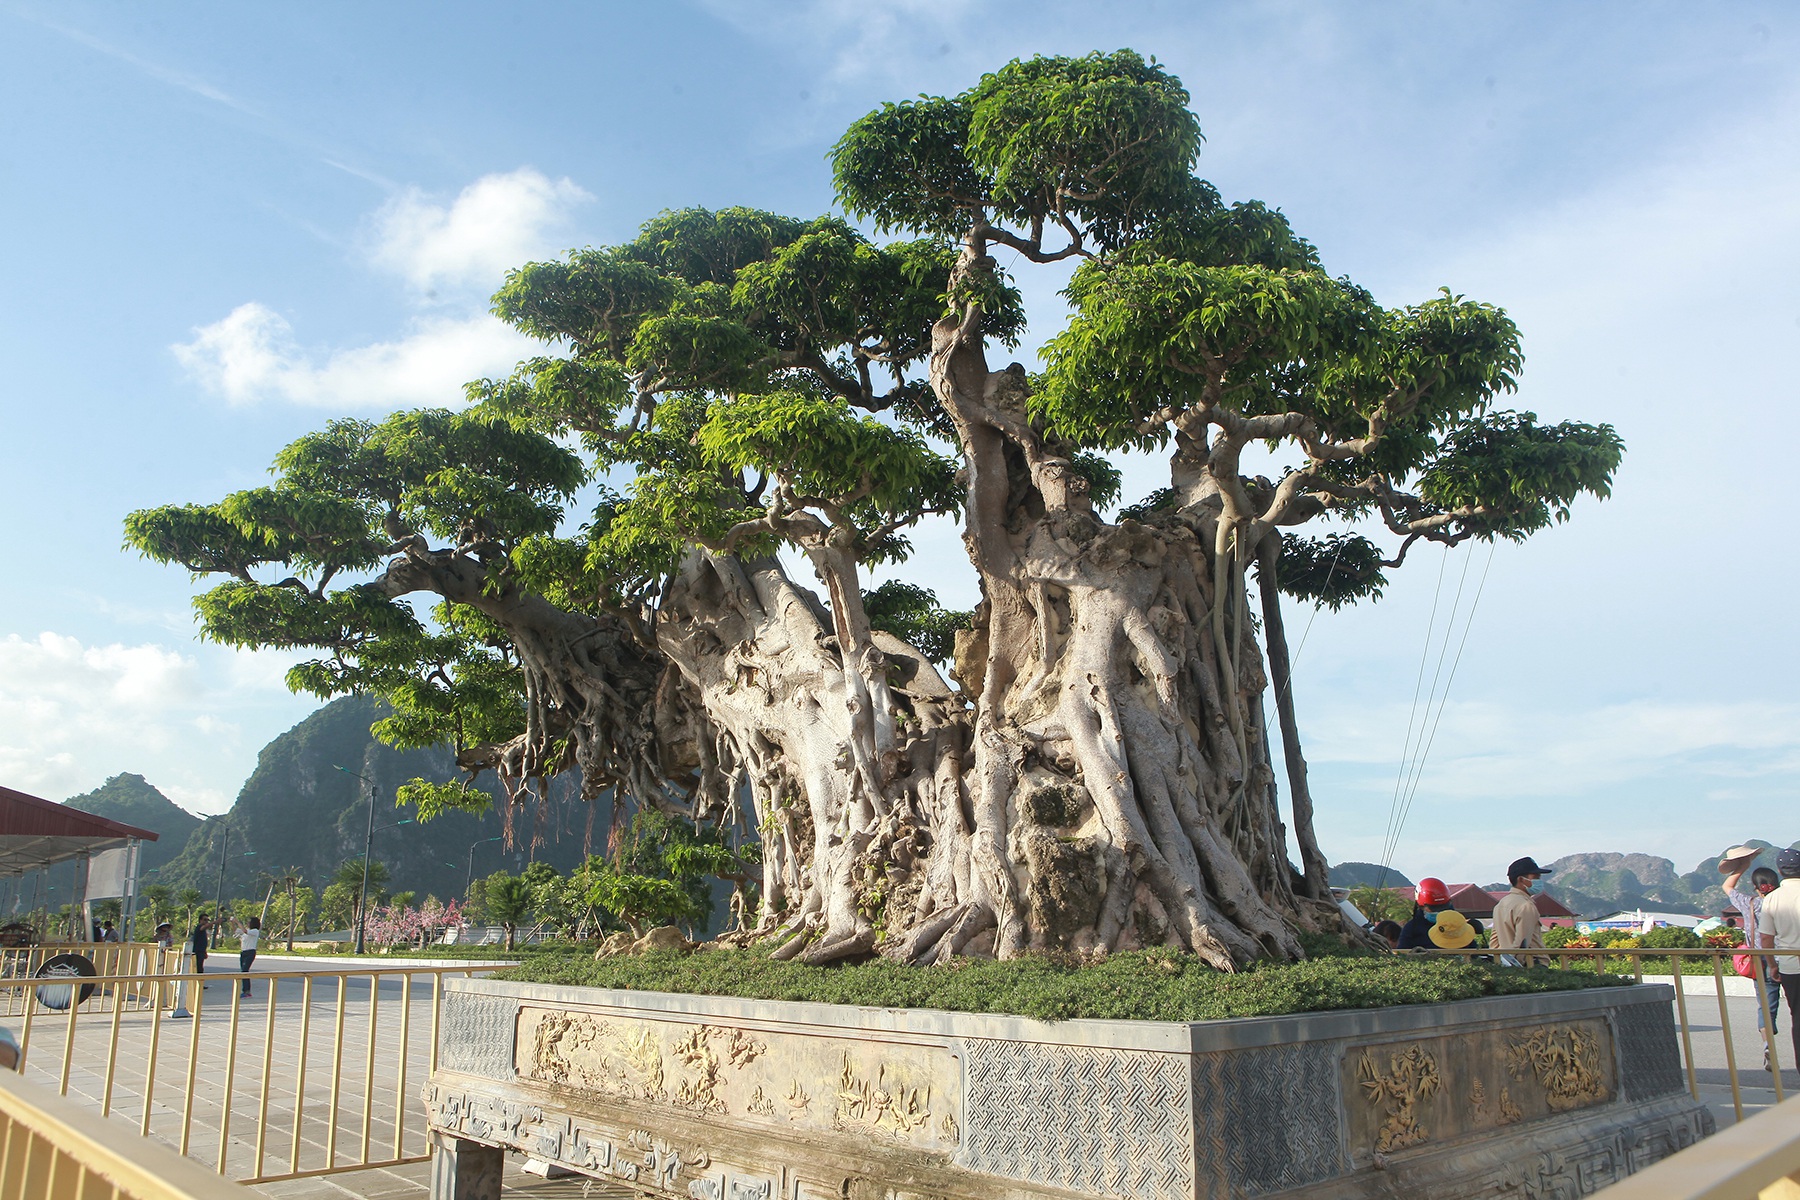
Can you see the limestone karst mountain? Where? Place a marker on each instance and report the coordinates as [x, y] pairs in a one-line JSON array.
[[298, 810], [133, 800]]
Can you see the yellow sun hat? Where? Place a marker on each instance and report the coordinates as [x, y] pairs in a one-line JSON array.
[[1452, 930]]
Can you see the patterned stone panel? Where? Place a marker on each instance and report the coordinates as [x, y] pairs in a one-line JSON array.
[[475, 1034], [1287, 1095], [1649, 1057], [1104, 1122]]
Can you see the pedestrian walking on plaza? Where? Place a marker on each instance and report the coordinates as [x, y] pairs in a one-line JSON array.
[[1517, 925], [1748, 902], [1780, 930], [197, 944], [248, 937]]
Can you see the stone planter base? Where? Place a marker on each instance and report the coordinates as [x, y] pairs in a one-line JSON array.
[[725, 1099]]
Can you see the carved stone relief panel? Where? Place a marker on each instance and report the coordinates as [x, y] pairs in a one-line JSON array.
[[1431, 1091], [905, 1093]]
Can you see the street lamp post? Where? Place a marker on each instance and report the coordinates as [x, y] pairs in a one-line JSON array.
[[362, 899], [471, 880], [224, 848]]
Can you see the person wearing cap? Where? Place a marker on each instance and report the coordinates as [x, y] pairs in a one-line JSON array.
[[1517, 925], [1431, 899], [1780, 930], [1748, 903]]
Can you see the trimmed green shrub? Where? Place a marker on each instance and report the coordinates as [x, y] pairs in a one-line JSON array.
[[1671, 937], [1152, 985]]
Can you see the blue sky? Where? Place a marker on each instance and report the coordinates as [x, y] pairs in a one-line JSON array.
[[225, 224]]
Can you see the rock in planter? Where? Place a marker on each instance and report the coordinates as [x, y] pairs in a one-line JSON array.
[[663, 937], [615, 943], [726, 1099]]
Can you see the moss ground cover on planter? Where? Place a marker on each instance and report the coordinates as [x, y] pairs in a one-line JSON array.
[[1154, 985]]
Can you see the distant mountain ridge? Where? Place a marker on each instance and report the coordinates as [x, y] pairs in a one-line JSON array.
[[1597, 884], [299, 811], [131, 799], [1362, 874]]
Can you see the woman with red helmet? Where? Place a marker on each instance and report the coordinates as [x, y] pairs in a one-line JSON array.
[[1430, 898]]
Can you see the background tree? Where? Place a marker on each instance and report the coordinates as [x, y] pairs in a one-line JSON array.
[[338, 904], [298, 907], [1100, 775], [187, 905], [159, 903], [1380, 904], [509, 901], [546, 885]]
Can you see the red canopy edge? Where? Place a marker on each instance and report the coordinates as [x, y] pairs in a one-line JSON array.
[[22, 815]]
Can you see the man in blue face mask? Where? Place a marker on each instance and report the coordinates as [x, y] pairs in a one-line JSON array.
[[1517, 925]]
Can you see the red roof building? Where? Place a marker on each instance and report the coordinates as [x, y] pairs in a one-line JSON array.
[[1478, 904]]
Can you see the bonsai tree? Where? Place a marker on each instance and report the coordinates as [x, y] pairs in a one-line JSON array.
[[640, 899], [1094, 772]]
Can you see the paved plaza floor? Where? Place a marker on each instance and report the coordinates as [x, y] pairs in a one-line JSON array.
[[383, 1041]]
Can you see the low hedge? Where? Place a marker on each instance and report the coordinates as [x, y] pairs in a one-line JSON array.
[[1154, 985]]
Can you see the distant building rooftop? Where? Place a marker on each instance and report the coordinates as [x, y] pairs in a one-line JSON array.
[[1478, 902], [1635, 919]]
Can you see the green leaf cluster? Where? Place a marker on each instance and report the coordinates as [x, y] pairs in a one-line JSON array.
[[911, 613]]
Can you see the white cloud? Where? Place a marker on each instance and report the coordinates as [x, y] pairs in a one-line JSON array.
[[251, 355], [74, 714], [496, 223]]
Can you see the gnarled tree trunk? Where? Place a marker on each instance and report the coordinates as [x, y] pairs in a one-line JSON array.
[[1103, 780]]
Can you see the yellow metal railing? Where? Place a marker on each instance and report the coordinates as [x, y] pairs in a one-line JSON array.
[[1757, 1159], [50, 1149], [312, 1071], [1652, 965], [135, 963]]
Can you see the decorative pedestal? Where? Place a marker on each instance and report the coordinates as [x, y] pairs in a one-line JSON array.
[[717, 1098]]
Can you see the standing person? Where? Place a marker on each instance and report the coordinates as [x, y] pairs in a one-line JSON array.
[[248, 937], [1749, 907], [197, 945], [1517, 925], [1430, 898], [107, 932], [1780, 930]]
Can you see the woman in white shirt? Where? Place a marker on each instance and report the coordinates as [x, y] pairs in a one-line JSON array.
[[248, 937]]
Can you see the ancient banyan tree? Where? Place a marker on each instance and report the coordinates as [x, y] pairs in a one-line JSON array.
[[1080, 763]]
